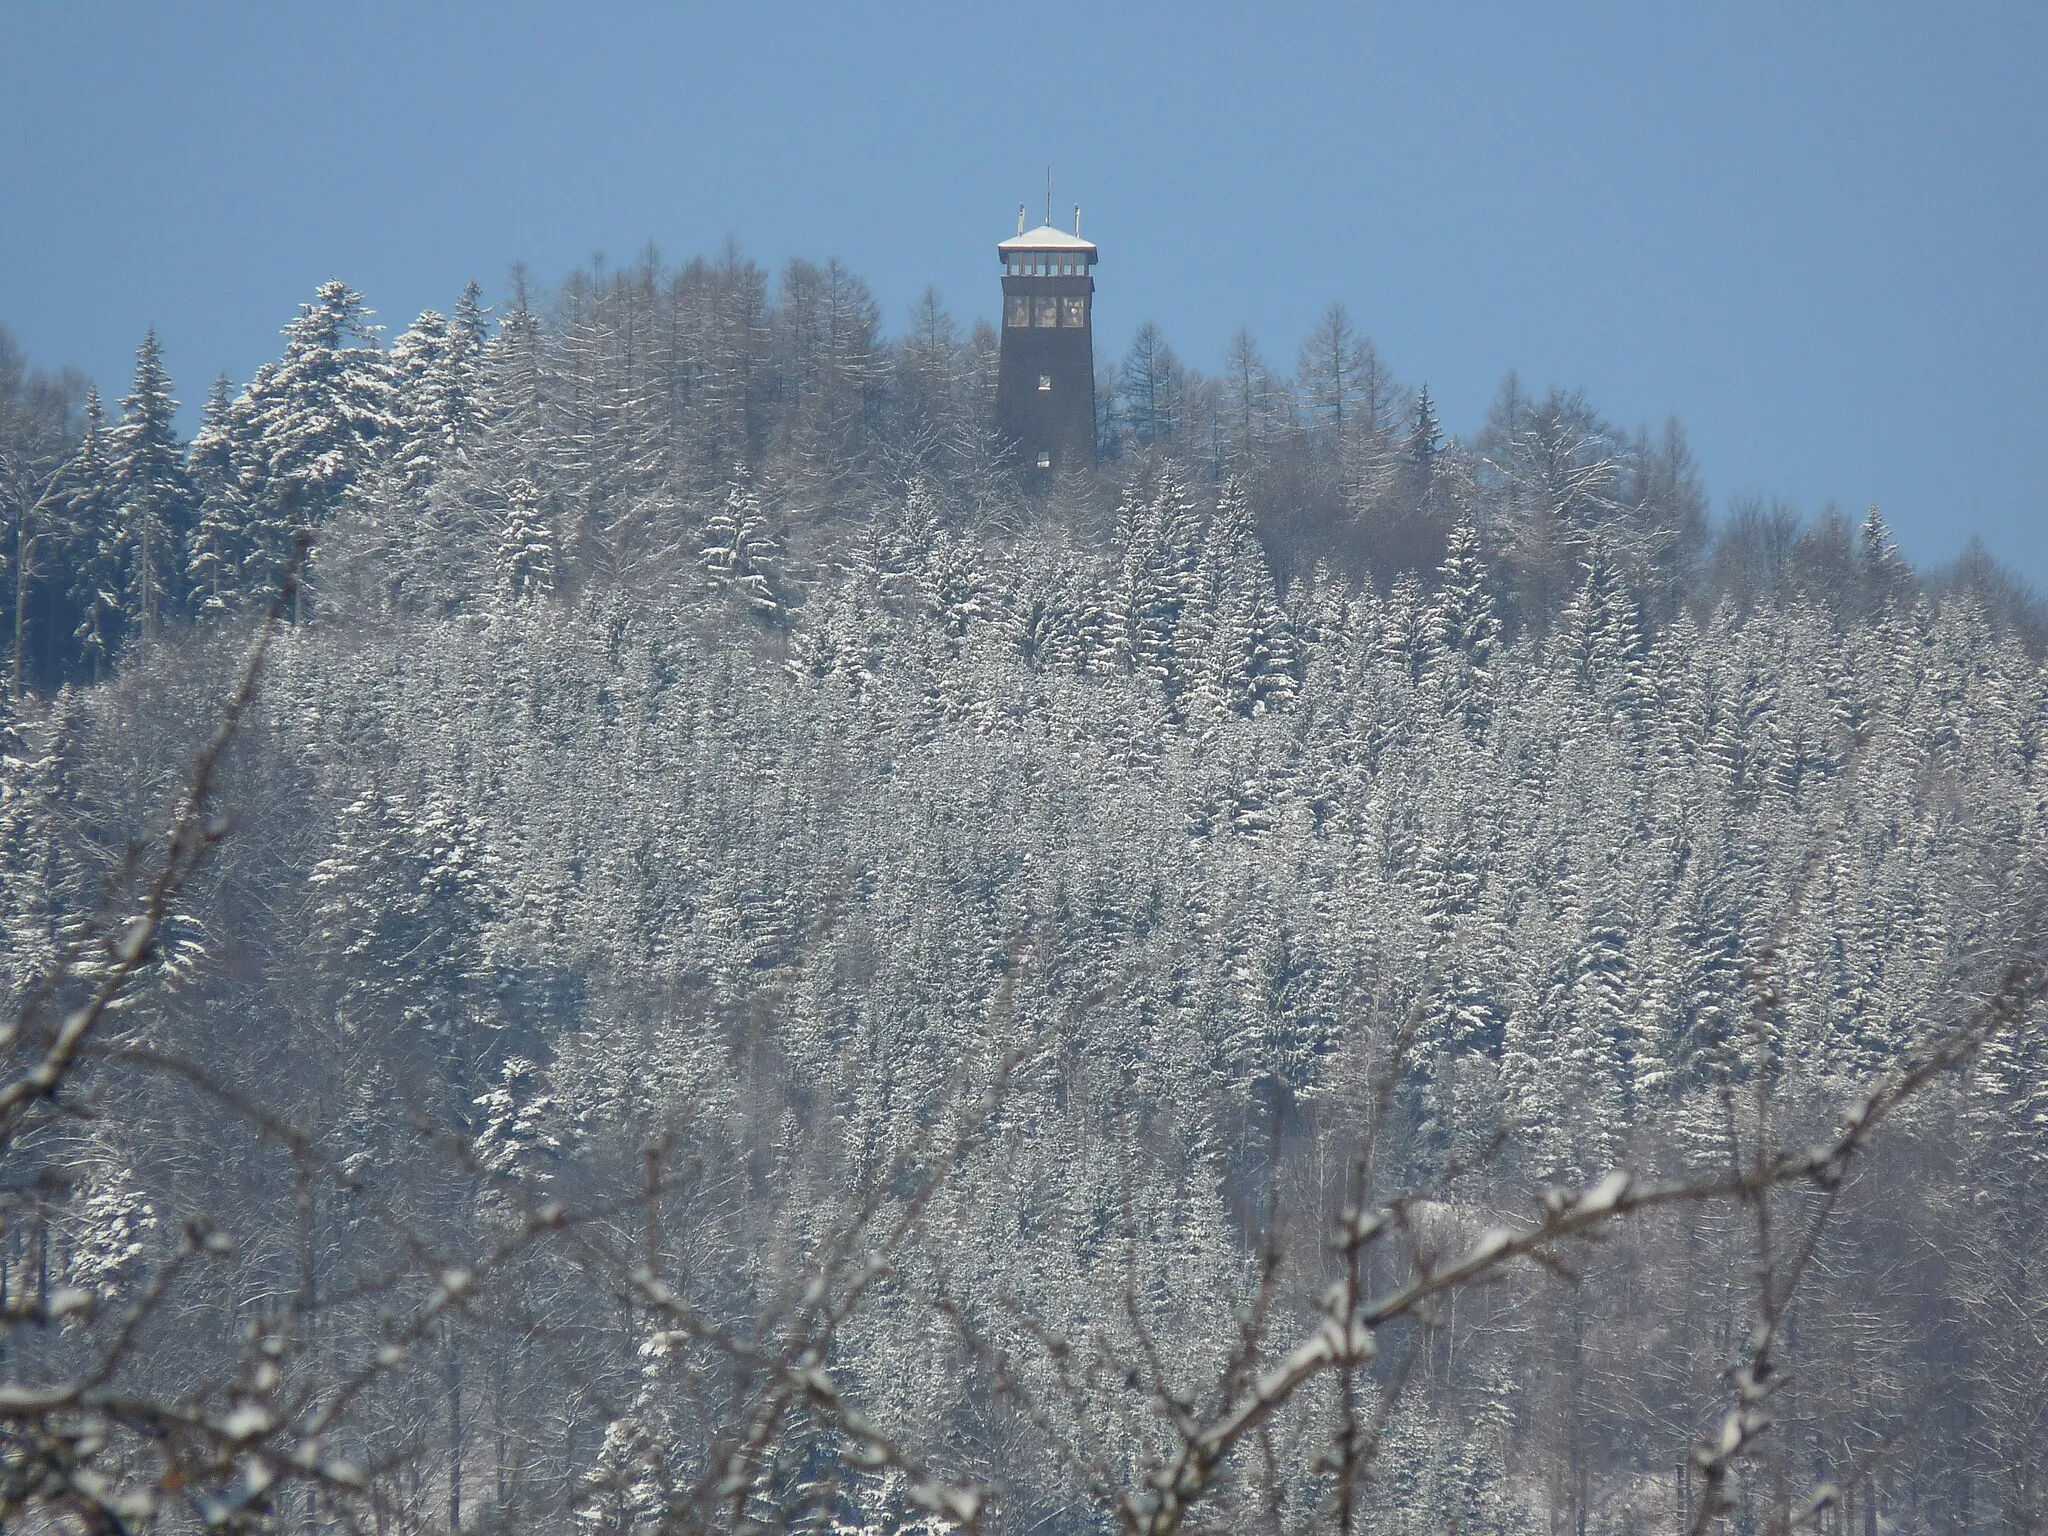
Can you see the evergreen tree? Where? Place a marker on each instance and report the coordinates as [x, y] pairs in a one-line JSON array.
[[526, 543], [1600, 634], [1254, 647], [1159, 578], [469, 333], [741, 554], [98, 571], [319, 419], [1425, 434], [213, 568], [153, 502], [1881, 572], [1468, 629], [428, 402], [1410, 639]]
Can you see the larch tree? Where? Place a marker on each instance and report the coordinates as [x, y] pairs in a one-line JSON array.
[[1152, 385]]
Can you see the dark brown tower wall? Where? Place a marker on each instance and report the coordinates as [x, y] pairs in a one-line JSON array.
[[1060, 420]]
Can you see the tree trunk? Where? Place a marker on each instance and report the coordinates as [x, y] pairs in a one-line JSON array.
[[454, 1440]]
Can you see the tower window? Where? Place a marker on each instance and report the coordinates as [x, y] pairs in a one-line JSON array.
[[1045, 458], [1045, 383], [1017, 311], [1073, 313], [1045, 312]]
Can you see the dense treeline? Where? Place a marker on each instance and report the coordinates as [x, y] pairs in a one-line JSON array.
[[589, 437], [693, 761]]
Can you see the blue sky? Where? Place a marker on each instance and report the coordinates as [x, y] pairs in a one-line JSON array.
[[1815, 232]]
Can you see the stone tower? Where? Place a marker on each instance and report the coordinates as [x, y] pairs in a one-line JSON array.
[[1045, 381]]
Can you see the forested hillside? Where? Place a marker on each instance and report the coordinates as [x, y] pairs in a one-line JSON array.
[[740, 971]]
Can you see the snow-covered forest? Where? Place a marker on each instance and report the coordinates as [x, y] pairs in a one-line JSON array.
[[736, 970]]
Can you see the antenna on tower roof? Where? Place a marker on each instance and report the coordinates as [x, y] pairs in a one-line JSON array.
[[1077, 221], [1020, 218], [1048, 194]]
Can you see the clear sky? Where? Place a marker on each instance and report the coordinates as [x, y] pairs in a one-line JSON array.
[[1815, 232]]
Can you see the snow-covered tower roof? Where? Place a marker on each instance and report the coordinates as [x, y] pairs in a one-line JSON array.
[[1048, 237]]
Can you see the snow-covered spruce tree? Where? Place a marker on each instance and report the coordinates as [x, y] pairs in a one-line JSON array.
[[437, 381], [526, 543], [153, 501], [741, 555], [217, 549], [1467, 622], [315, 423], [428, 401], [1162, 552], [98, 571]]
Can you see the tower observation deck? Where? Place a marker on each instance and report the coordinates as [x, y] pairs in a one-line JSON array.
[[1045, 377]]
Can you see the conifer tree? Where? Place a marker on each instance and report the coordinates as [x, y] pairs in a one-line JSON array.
[[515, 388], [153, 503], [320, 418], [1600, 633], [1425, 434], [1466, 614], [1254, 650], [1152, 384], [1410, 639], [97, 569], [1160, 579], [1881, 571], [526, 543], [427, 400], [1468, 629], [469, 333], [741, 554], [213, 566]]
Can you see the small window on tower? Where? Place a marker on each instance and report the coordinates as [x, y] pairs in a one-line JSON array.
[[1045, 458], [1045, 312], [1073, 313], [1045, 383], [1017, 311]]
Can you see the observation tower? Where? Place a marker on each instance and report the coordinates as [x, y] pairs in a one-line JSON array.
[[1045, 379]]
